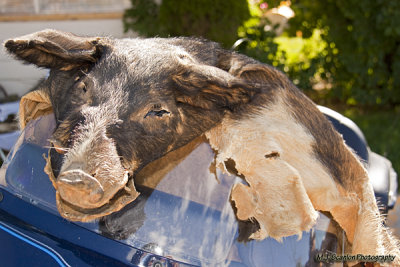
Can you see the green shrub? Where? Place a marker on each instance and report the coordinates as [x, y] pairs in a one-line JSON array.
[[382, 131], [300, 58], [363, 52], [217, 20], [142, 18], [260, 44]]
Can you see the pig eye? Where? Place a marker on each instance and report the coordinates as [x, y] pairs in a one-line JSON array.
[[82, 86], [158, 113]]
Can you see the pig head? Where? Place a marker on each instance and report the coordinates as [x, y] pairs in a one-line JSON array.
[[122, 103]]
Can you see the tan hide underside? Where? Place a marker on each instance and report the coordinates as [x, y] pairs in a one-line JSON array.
[[33, 105], [286, 184]]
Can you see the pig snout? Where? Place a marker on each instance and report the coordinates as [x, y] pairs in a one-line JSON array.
[[86, 191], [92, 172], [80, 188]]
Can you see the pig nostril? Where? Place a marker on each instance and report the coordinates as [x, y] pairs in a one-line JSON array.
[[79, 188], [78, 183]]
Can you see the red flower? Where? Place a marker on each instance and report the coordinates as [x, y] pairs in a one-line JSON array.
[[264, 5]]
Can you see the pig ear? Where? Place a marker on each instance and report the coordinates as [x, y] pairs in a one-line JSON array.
[[233, 82], [33, 105], [210, 87], [55, 49], [250, 70]]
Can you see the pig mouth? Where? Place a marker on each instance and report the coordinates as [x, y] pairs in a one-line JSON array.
[[74, 213], [88, 202]]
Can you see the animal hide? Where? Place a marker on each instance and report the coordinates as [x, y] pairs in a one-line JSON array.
[[287, 184], [32, 106], [120, 107]]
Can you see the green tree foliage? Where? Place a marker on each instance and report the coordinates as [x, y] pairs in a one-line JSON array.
[[362, 56], [260, 44], [142, 18], [300, 58], [217, 20]]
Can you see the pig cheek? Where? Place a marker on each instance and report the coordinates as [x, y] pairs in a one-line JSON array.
[[128, 157]]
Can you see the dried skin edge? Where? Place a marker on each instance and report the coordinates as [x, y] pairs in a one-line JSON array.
[[275, 183]]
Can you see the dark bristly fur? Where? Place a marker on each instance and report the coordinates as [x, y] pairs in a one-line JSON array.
[[191, 84]]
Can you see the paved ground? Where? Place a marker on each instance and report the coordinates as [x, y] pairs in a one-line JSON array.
[[394, 219]]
